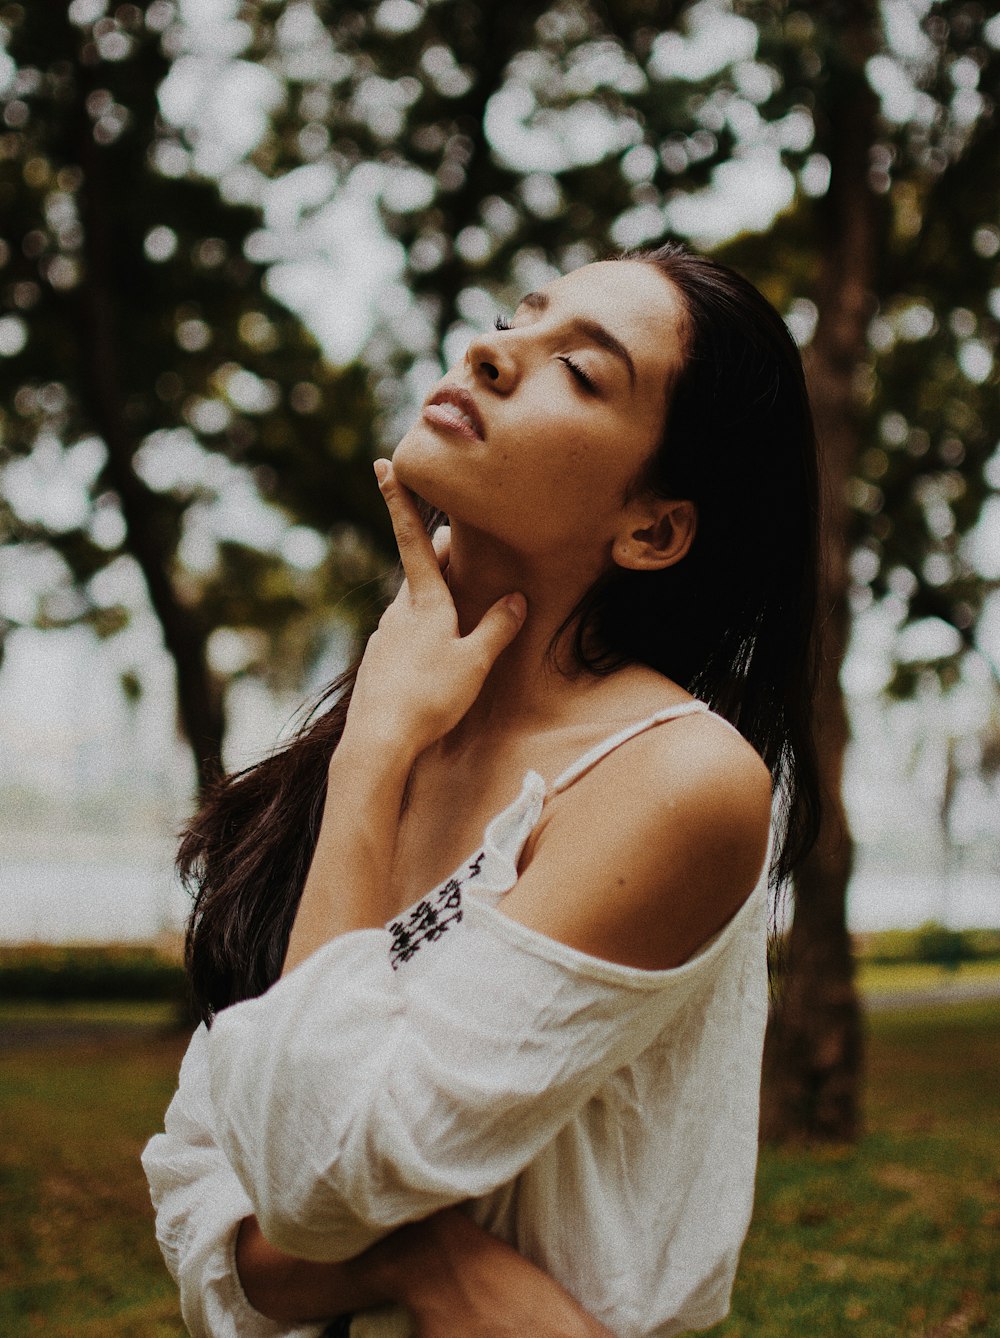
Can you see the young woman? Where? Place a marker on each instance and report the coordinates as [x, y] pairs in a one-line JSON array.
[[515, 880]]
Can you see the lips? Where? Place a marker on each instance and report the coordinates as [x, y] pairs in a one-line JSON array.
[[454, 409]]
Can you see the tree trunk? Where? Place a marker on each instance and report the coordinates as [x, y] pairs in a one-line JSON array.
[[147, 521], [813, 1056]]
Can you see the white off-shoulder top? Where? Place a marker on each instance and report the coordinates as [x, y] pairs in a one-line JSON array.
[[600, 1118]]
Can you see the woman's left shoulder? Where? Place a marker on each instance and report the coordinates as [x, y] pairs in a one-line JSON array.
[[695, 780], [655, 848], [693, 760], [702, 755]]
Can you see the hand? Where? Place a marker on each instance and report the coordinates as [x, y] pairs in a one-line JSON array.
[[419, 675], [458, 1279]]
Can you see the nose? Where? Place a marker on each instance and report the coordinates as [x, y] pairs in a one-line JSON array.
[[492, 363]]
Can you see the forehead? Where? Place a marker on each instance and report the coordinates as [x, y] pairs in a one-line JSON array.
[[635, 302]]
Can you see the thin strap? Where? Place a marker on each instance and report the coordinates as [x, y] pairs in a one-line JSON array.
[[594, 755]]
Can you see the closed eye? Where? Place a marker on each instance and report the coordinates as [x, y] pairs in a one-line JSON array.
[[581, 376], [576, 371]]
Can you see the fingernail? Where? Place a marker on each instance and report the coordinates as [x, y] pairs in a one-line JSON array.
[[518, 606], [381, 470]]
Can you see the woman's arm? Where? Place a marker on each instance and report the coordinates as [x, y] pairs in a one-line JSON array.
[[417, 679], [352, 1099], [297, 1291], [451, 1276], [234, 1284], [199, 1205]]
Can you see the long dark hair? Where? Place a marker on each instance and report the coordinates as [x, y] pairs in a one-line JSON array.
[[732, 623]]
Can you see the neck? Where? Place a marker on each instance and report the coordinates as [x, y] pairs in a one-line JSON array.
[[527, 684]]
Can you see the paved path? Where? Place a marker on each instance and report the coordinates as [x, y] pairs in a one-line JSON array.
[[48, 1034]]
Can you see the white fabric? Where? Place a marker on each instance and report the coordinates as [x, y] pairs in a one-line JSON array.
[[199, 1204], [600, 1118]]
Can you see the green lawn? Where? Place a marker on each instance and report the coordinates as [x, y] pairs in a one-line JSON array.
[[901, 1234], [886, 977], [90, 1011], [898, 1236], [77, 1254]]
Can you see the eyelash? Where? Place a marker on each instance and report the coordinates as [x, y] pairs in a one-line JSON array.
[[501, 323], [577, 371]]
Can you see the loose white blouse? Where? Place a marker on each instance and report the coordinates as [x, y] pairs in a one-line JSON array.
[[600, 1118]]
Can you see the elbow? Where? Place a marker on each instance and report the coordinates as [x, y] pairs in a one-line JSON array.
[[371, 1177], [317, 1229], [310, 1181]]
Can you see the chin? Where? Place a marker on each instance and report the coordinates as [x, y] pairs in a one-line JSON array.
[[425, 468]]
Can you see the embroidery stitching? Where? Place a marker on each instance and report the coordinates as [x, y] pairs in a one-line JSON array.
[[430, 918]]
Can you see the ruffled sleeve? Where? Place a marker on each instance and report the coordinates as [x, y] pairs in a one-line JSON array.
[[352, 1098], [199, 1204]]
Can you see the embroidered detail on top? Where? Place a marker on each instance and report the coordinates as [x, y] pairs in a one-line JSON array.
[[430, 918]]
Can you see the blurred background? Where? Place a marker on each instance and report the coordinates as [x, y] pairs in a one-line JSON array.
[[238, 242]]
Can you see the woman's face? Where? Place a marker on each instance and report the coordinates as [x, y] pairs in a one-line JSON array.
[[537, 435]]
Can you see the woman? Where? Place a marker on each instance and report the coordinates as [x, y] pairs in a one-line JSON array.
[[563, 1036]]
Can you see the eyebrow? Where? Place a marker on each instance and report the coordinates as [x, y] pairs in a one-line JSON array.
[[590, 329]]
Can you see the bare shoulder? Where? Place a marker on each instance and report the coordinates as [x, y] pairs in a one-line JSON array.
[[693, 786], [701, 767], [653, 850]]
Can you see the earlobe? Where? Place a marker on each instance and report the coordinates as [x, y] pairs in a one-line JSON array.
[[659, 538]]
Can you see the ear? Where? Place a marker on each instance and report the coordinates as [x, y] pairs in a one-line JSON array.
[[657, 532]]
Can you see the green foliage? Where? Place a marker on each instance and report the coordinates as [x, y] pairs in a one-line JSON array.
[[499, 144], [472, 116], [116, 972], [938, 943], [931, 942], [927, 404], [149, 373]]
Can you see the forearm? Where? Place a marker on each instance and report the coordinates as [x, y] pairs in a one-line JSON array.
[[403, 1268], [417, 679], [450, 1274], [299, 1291], [347, 884]]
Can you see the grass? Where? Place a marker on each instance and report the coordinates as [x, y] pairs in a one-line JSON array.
[[886, 977], [897, 1236], [77, 1255], [92, 1012]]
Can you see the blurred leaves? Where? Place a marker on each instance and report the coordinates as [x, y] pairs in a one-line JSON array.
[[160, 402], [155, 398]]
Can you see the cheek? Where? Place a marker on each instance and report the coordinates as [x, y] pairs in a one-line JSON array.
[[593, 468]]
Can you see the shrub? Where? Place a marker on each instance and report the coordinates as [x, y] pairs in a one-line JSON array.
[[117, 971]]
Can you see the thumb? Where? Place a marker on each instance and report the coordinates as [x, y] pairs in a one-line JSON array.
[[498, 627]]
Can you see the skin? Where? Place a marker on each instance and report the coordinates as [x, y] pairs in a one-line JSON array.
[[643, 859]]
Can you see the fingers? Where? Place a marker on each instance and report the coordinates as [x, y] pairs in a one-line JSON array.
[[497, 628], [416, 552], [441, 540]]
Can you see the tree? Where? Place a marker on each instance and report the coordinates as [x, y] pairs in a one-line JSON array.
[[503, 144], [146, 364], [814, 1050], [900, 364]]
